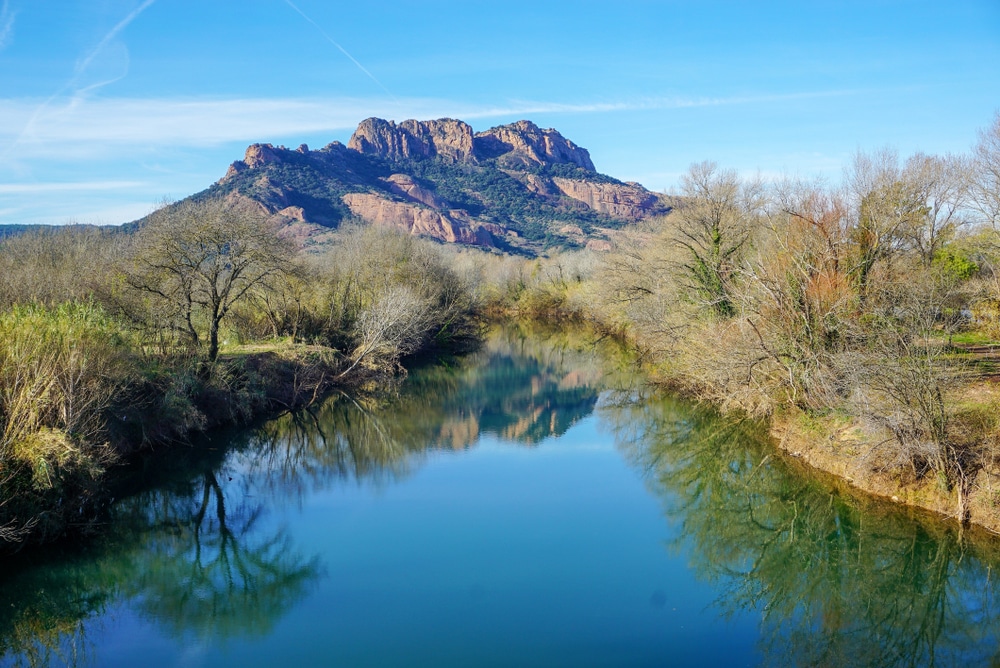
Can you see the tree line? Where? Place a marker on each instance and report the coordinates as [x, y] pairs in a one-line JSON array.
[[867, 310], [115, 340]]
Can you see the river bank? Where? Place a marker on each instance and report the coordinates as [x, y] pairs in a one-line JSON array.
[[829, 441], [534, 499]]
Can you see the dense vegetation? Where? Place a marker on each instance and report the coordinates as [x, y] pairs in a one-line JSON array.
[[315, 181], [113, 341], [494, 195], [862, 319]]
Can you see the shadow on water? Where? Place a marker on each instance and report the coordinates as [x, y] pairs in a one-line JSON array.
[[836, 579], [188, 546]]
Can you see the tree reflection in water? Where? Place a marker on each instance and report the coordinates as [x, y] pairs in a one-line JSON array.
[[184, 557], [837, 579], [834, 578], [187, 546], [209, 570]]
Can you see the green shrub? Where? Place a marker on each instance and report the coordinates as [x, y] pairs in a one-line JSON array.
[[62, 369]]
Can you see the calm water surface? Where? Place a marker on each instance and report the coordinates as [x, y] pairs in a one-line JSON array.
[[530, 505]]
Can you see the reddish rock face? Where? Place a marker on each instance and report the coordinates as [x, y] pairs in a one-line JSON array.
[[404, 185], [260, 154], [621, 200], [520, 144], [444, 137], [415, 219], [524, 144]]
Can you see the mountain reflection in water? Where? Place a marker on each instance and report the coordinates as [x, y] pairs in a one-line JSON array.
[[825, 577]]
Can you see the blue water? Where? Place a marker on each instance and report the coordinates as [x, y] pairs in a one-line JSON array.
[[532, 505]]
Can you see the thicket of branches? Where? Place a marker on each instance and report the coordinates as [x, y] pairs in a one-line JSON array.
[[804, 297], [114, 339]]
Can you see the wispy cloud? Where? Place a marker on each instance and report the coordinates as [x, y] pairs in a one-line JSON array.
[[650, 104], [88, 58], [104, 125], [73, 86], [6, 23], [331, 40], [63, 187]]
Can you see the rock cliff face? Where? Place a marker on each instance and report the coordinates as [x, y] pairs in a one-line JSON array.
[[524, 144], [620, 200], [518, 145], [415, 219], [517, 187], [256, 155], [404, 185], [445, 137]]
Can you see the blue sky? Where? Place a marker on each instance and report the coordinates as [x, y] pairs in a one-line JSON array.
[[110, 106]]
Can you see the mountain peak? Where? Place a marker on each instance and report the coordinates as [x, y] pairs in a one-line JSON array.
[[517, 145], [445, 137], [524, 144], [517, 187]]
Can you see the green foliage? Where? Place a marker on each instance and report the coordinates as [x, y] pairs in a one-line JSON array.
[[62, 370], [493, 195], [570, 171], [60, 367], [956, 264]]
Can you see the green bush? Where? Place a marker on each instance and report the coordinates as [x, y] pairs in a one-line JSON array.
[[62, 369]]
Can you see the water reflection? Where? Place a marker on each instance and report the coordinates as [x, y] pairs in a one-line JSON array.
[[832, 578], [520, 387], [192, 559], [837, 580], [188, 546]]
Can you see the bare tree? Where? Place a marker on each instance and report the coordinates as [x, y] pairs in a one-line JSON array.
[[901, 378], [985, 185], [393, 326], [941, 185], [197, 259], [712, 230]]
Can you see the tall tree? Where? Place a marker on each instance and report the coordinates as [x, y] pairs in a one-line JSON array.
[[712, 229], [985, 185], [940, 183], [886, 207], [199, 258]]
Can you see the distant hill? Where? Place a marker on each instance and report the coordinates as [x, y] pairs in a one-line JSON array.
[[514, 187], [14, 229]]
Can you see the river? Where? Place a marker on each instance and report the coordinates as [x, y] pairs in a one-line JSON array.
[[531, 504]]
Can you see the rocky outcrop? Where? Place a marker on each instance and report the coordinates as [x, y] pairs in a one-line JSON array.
[[445, 137], [404, 185], [505, 175], [257, 155], [540, 185], [518, 145], [453, 227], [524, 144], [620, 200], [600, 245]]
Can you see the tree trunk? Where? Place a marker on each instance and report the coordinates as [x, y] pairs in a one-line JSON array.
[[213, 340]]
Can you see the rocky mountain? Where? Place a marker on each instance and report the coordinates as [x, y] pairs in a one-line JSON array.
[[515, 187]]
